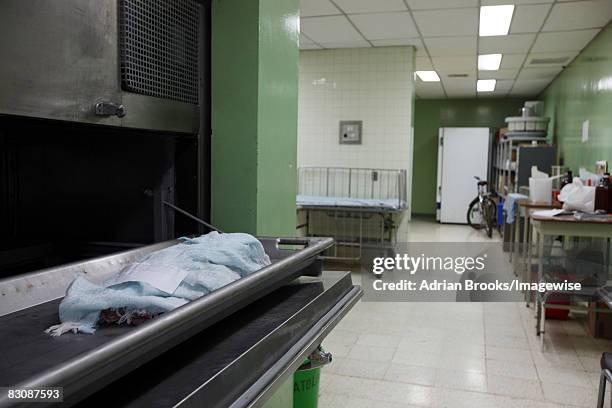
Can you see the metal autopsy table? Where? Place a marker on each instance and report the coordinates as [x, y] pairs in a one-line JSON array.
[[197, 355]]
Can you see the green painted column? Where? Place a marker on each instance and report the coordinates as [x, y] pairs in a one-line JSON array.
[[254, 115]]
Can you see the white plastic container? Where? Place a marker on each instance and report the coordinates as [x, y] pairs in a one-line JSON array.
[[540, 190]]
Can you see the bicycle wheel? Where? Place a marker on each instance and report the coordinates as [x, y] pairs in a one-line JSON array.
[[490, 213], [474, 216]]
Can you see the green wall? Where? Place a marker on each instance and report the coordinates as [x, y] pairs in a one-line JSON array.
[[431, 114], [583, 92], [254, 115]]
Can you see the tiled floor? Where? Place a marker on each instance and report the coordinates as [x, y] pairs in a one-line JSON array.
[[469, 355]]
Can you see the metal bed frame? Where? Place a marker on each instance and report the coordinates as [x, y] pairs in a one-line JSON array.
[[365, 214]]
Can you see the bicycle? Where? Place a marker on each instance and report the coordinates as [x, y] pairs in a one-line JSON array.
[[482, 211]]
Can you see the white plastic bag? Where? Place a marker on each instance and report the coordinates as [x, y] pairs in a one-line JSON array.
[[578, 197]]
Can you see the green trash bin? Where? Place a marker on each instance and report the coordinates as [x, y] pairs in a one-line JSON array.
[[306, 380]]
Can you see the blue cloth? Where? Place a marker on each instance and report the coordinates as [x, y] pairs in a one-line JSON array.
[[510, 205], [198, 265]]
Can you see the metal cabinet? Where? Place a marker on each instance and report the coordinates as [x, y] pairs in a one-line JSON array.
[[59, 59]]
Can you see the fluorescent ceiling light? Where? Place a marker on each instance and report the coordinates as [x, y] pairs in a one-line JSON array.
[[495, 20], [486, 85], [428, 76], [489, 62]]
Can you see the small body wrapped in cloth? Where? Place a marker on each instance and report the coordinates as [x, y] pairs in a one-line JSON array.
[[160, 282]]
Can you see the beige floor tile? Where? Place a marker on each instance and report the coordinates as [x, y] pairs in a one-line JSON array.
[[461, 380], [514, 387], [500, 340], [416, 358], [362, 369], [403, 393], [567, 394], [371, 353], [564, 376], [448, 398], [514, 370], [551, 359], [411, 374], [342, 336], [378, 340], [591, 364], [509, 354]]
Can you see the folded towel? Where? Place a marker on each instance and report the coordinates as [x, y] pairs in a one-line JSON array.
[[161, 281]]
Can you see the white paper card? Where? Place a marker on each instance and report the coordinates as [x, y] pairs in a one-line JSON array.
[[548, 213], [163, 277]]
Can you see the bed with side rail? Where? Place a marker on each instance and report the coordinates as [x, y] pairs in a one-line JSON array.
[[359, 207]]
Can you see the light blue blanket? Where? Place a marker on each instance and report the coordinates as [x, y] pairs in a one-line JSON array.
[[162, 280], [510, 205]]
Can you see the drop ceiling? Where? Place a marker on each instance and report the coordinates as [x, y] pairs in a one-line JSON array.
[[545, 35]]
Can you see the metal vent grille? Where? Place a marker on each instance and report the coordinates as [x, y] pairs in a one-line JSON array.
[[560, 60], [159, 48]]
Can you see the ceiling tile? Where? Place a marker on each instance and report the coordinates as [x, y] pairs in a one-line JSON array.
[[399, 42], [423, 64], [539, 73], [547, 59], [458, 64], [440, 4], [507, 44], [563, 41], [304, 39], [512, 61], [577, 15], [346, 44], [336, 29], [503, 85], [500, 74], [529, 18], [460, 88], [449, 22], [382, 26], [530, 87], [501, 2], [451, 46], [429, 89], [369, 6], [309, 46], [309, 8]]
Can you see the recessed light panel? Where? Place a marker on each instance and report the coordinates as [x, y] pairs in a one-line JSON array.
[[485, 85], [489, 62], [428, 76], [495, 20]]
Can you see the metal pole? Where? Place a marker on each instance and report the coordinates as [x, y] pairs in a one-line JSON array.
[[193, 217]]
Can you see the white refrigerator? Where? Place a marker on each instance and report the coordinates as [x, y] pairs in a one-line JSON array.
[[462, 154]]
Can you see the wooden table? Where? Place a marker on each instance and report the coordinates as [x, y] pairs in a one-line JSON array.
[[570, 226]]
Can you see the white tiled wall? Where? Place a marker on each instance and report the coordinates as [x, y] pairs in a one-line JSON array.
[[374, 85]]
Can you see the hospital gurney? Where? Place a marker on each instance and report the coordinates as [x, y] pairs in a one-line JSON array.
[[357, 207], [206, 345]]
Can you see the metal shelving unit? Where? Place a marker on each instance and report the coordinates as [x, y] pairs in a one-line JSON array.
[[507, 168]]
